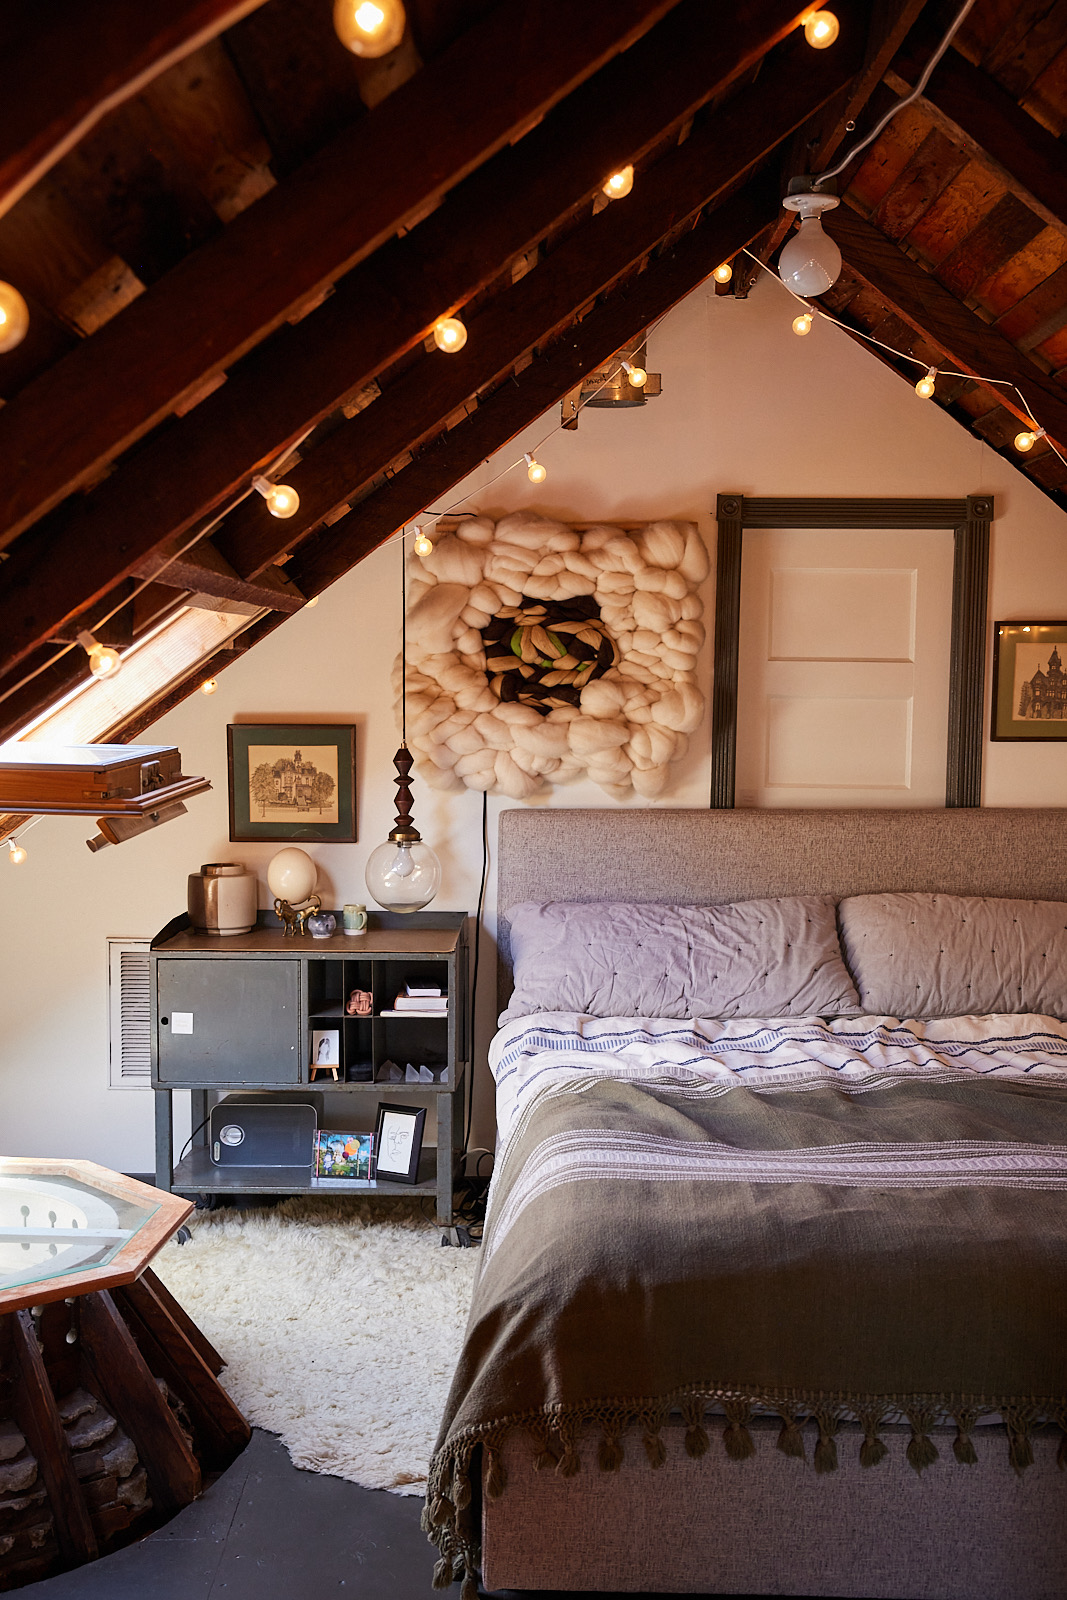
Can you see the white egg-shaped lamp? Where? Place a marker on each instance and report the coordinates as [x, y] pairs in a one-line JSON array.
[[810, 262], [292, 875]]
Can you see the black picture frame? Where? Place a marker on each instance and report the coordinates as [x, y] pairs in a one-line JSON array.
[[416, 1116], [296, 743], [1040, 641]]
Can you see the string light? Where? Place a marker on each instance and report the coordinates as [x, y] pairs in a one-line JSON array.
[[618, 184], [16, 852], [925, 386], [423, 544], [723, 272], [282, 499], [821, 29], [802, 324], [104, 662], [534, 470], [1028, 438], [449, 334], [14, 317], [209, 686], [369, 27], [312, 602], [637, 375]]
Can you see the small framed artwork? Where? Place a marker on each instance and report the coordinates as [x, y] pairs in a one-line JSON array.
[[344, 1155], [325, 1052], [1029, 680], [292, 782], [398, 1142]]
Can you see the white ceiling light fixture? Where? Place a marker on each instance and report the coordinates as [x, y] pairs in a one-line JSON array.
[[810, 262]]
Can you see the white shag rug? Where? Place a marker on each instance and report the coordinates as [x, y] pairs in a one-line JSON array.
[[340, 1321]]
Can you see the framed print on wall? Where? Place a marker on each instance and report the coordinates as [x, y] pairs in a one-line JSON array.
[[292, 782], [1029, 680]]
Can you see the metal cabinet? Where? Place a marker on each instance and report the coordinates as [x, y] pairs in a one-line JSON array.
[[227, 1022]]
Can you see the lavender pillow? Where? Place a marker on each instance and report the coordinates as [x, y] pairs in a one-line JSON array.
[[754, 958]]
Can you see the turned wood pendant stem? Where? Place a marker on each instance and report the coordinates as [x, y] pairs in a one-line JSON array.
[[404, 827]]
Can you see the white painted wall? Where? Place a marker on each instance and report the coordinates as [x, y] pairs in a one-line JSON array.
[[746, 406]]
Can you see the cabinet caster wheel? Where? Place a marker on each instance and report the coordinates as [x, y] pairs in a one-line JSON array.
[[207, 1202], [457, 1236], [183, 1235]]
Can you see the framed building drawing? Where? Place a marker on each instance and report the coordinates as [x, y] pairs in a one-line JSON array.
[[292, 782], [1029, 680]]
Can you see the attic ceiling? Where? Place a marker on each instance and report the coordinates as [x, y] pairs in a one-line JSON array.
[[234, 238]]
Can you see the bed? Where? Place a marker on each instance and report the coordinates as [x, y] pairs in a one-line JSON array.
[[772, 1301]]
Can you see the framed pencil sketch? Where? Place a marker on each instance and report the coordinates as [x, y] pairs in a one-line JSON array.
[[398, 1142], [1029, 680], [292, 782]]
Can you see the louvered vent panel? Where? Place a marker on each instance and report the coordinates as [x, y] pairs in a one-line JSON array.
[[129, 975]]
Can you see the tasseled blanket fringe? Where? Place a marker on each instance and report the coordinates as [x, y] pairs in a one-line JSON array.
[[449, 1520]]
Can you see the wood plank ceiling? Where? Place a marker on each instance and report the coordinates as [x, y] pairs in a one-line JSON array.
[[234, 238]]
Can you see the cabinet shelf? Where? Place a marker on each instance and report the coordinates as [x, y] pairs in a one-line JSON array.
[[198, 1174]]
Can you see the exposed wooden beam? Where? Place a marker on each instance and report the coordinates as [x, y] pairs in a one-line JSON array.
[[204, 570], [928, 307], [728, 145], [977, 113], [60, 568], [628, 309], [381, 174], [68, 63]]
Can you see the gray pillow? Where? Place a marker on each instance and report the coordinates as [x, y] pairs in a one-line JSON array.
[[755, 958], [945, 955]]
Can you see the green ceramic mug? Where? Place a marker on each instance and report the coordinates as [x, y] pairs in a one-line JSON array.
[[355, 919]]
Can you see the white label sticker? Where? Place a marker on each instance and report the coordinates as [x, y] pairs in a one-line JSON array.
[[181, 1022]]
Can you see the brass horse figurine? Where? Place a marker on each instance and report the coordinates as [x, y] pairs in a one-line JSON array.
[[293, 921]]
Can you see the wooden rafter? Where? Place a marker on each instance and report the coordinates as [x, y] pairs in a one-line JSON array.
[[68, 63], [935, 313], [728, 145], [381, 174], [204, 570], [61, 568]]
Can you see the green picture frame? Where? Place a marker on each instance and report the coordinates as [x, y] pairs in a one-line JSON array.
[[292, 782], [1029, 681]]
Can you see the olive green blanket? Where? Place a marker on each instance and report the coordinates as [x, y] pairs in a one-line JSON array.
[[888, 1243]]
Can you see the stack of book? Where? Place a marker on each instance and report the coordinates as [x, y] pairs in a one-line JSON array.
[[419, 1000]]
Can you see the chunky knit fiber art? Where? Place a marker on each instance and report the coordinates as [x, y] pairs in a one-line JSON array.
[[539, 653]]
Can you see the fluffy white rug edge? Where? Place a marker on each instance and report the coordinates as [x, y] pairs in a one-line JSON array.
[[340, 1321]]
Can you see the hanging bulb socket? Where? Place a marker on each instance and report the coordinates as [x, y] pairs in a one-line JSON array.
[[637, 376], [104, 661], [449, 335], [810, 262], [618, 184], [925, 386], [14, 317], [534, 469], [821, 28], [282, 499], [16, 852], [802, 324], [423, 544], [723, 272], [369, 28], [1028, 438]]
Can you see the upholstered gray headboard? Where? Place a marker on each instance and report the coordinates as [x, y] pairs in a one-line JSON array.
[[706, 857]]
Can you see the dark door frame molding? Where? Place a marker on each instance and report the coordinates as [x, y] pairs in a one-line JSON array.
[[969, 519]]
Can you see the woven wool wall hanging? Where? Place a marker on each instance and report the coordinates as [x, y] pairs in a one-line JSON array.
[[540, 653]]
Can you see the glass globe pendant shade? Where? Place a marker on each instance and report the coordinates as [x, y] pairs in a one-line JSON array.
[[403, 874], [810, 263]]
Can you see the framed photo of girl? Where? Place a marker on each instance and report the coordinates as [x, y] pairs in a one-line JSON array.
[[292, 782], [1029, 680]]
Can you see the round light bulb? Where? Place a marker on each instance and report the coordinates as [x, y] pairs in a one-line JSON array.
[[282, 500], [821, 29], [925, 386], [810, 262], [449, 334], [618, 184], [209, 686], [369, 27], [423, 545], [637, 376], [104, 662], [536, 472], [802, 324], [723, 272], [1025, 441], [403, 875], [16, 852], [14, 317], [312, 602]]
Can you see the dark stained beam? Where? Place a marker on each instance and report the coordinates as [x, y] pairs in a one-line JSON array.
[[381, 174], [934, 313], [67, 63], [204, 570], [60, 568], [727, 146], [979, 114], [629, 308]]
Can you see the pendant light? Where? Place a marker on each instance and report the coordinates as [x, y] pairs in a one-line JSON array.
[[810, 262], [403, 874]]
